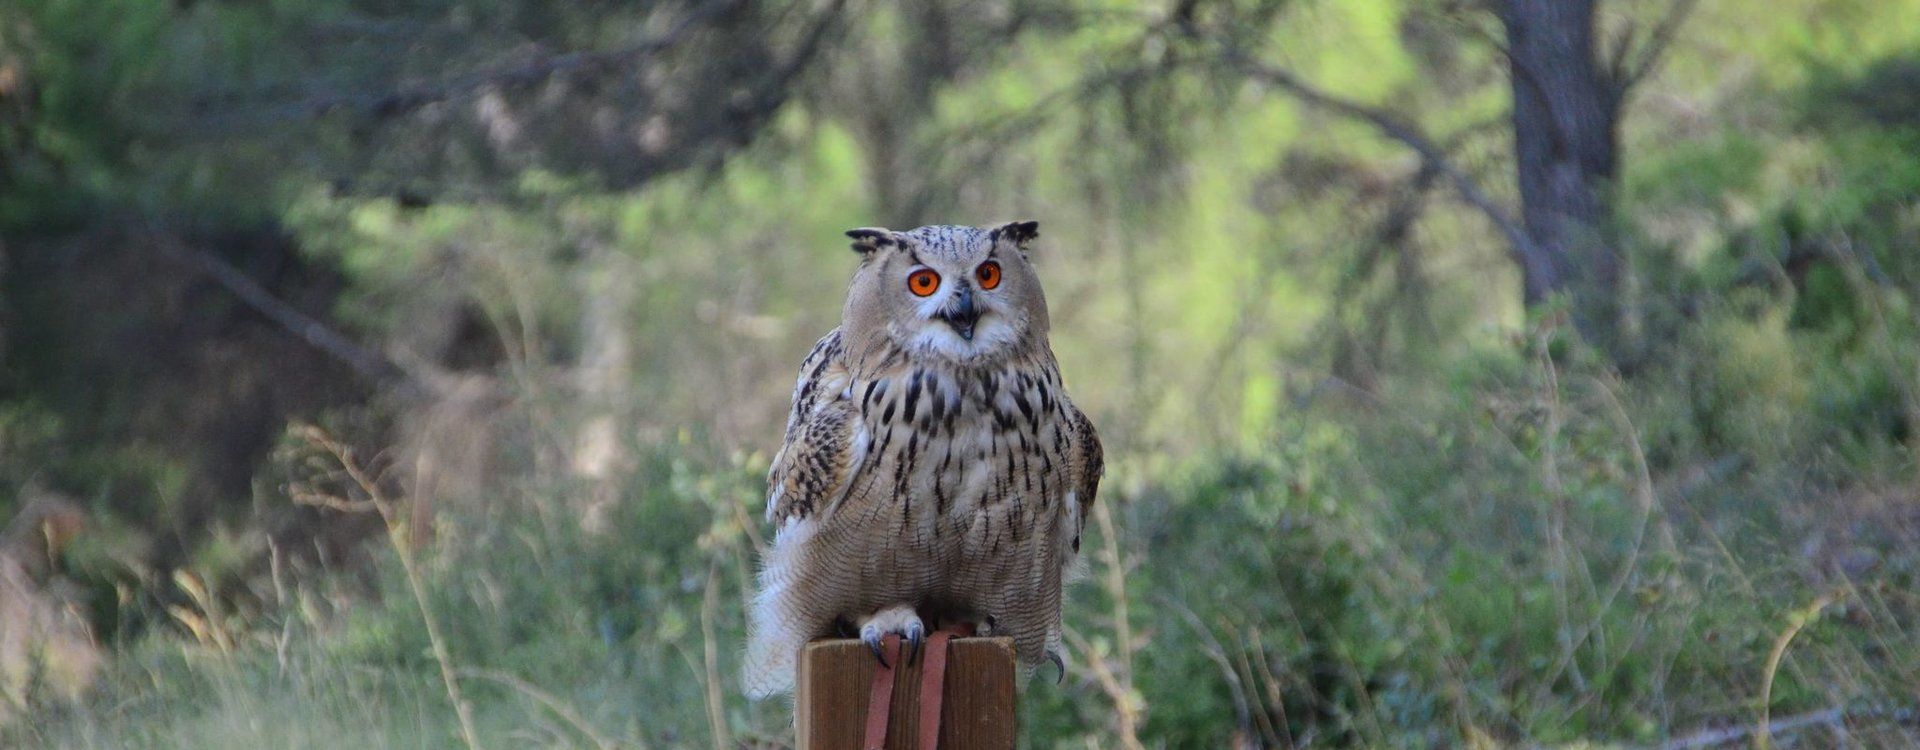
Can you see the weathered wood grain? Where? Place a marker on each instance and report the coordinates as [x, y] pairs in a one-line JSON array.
[[830, 697]]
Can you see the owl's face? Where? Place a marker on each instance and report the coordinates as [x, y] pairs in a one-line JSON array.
[[961, 294]]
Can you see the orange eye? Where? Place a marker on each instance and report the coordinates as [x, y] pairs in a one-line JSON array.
[[989, 273], [923, 282]]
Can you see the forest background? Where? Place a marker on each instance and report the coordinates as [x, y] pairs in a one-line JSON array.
[[1473, 373]]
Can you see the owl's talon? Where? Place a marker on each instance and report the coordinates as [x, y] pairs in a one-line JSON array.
[[898, 621], [1058, 664], [872, 639], [916, 635]]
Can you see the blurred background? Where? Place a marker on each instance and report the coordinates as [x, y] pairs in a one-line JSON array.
[[1473, 373]]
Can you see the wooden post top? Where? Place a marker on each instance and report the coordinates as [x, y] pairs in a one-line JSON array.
[[831, 693]]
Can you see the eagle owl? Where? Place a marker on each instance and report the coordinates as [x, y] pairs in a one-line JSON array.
[[933, 466]]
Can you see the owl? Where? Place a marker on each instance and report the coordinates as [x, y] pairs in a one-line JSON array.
[[934, 471]]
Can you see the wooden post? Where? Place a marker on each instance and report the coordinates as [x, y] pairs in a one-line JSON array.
[[830, 697]]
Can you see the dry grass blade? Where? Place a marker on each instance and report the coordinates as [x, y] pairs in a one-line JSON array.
[[552, 703], [1115, 678], [1763, 735], [710, 660], [1217, 653], [1126, 715], [403, 549]]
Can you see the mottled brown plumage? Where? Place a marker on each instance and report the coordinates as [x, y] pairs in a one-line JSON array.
[[933, 464]]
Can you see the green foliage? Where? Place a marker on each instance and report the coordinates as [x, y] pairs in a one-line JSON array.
[[1359, 497], [1474, 561]]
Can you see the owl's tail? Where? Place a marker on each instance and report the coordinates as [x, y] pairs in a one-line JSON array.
[[779, 623], [772, 648]]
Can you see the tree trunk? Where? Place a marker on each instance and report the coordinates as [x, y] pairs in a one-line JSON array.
[[1566, 134]]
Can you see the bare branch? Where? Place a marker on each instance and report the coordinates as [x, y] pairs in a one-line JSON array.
[[1786, 725], [368, 363], [409, 98], [810, 45], [1408, 135], [1657, 43], [1615, 62]]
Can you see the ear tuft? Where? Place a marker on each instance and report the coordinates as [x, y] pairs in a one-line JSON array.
[[1019, 232], [868, 239]]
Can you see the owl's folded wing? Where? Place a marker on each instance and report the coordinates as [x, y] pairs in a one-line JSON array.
[[813, 466], [813, 461], [1089, 464]]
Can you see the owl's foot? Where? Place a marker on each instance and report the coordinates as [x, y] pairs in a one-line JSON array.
[[898, 620]]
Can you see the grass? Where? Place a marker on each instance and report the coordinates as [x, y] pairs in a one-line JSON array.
[[1534, 554]]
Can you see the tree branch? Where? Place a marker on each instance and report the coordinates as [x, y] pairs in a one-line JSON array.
[[409, 98], [1616, 61], [1829, 717], [1430, 154], [810, 46], [1658, 41], [368, 363], [774, 91]]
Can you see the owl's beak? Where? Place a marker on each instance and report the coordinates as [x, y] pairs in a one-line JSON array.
[[960, 314]]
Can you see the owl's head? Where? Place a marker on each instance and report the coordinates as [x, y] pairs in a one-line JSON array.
[[961, 294]]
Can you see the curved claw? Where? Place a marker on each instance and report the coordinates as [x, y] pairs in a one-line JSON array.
[[872, 639], [916, 635], [1059, 665]]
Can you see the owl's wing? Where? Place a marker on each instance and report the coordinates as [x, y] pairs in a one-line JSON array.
[[1089, 463], [813, 461]]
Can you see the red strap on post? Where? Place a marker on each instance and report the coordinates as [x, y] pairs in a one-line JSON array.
[[933, 682], [933, 685], [880, 701]]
